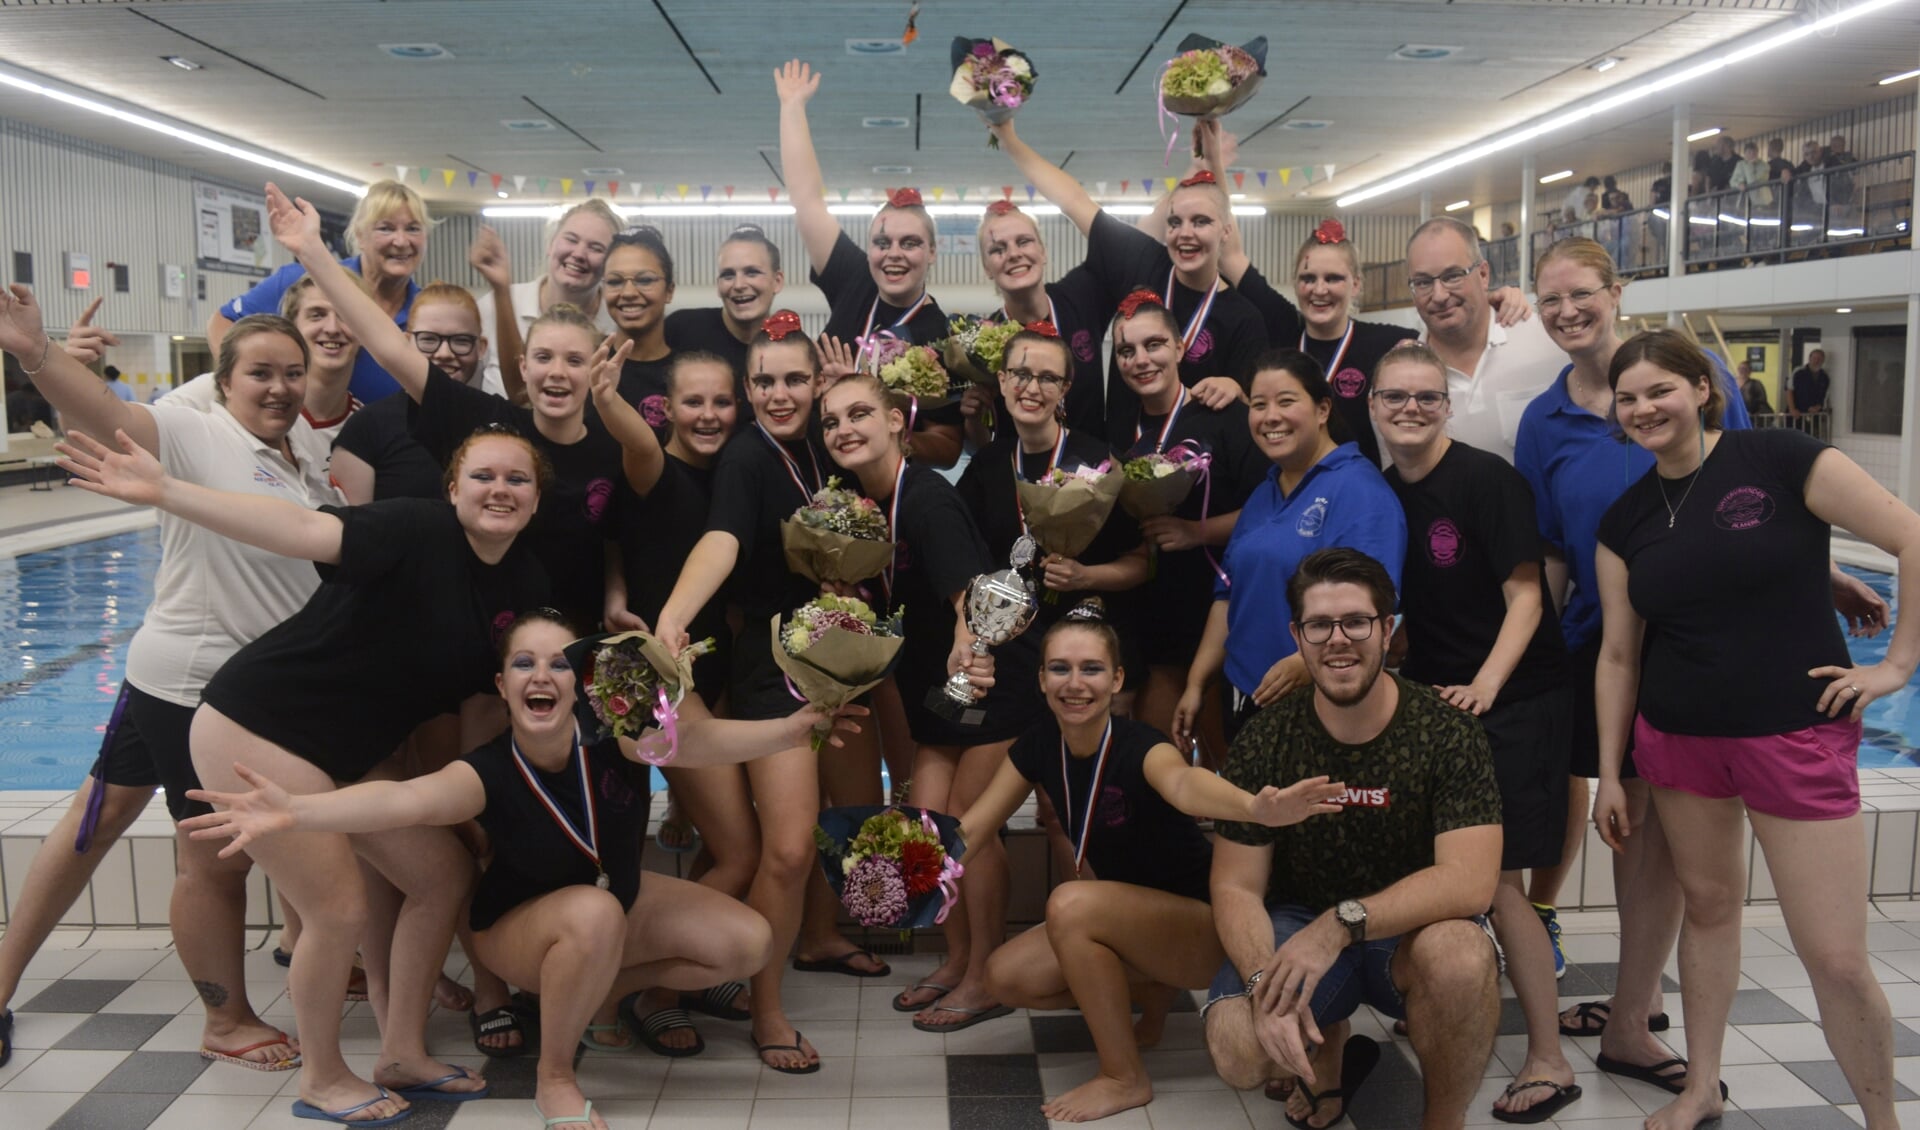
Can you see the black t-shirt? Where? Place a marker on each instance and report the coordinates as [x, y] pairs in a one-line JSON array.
[[1470, 523], [1809, 388], [570, 530], [754, 490], [937, 550], [1123, 258], [1662, 190], [532, 856], [643, 384], [853, 297], [705, 329], [379, 436], [403, 628], [1081, 312], [657, 531], [1136, 836], [1740, 577]]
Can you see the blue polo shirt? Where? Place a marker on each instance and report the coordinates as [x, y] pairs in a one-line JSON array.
[[1577, 465], [1343, 500], [370, 382]]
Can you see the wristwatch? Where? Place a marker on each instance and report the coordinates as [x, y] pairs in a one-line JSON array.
[[1352, 913]]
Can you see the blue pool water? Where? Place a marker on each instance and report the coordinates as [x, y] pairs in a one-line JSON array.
[[70, 613]]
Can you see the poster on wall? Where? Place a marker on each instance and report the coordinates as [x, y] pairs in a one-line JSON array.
[[231, 230]]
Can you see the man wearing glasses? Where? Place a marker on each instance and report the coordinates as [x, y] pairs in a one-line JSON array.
[[1377, 905], [1492, 370]]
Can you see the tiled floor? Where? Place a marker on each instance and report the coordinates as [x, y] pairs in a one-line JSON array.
[[107, 1033]]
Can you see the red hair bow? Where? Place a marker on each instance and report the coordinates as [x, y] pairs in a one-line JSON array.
[[1001, 208], [1043, 327], [904, 198], [1130, 305], [779, 325], [1204, 176], [1330, 231]]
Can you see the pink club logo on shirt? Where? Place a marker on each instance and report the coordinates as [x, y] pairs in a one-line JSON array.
[[653, 410], [599, 493], [1743, 508], [1202, 345], [1082, 346], [1114, 810], [1443, 543], [501, 622], [1349, 383]]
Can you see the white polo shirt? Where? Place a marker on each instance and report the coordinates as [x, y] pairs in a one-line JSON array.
[[213, 595], [526, 307], [1518, 364]]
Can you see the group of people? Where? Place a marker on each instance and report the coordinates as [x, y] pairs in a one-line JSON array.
[[392, 508]]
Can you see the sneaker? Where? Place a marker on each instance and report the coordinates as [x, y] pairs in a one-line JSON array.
[[1551, 920]]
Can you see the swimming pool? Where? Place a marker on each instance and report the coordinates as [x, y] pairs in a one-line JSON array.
[[70, 613]]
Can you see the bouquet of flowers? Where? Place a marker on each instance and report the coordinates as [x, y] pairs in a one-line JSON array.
[[894, 868], [838, 537], [833, 649], [992, 78], [630, 683], [1208, 79], [976, 348], [1156, 484], [1066, 509], [907, 369]]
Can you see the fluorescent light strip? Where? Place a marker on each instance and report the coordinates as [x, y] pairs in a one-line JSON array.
[[1563, 174], [1702, 135], [671, 211], [1459, 204], [1588, 108], [202, 140], [1901, 77]]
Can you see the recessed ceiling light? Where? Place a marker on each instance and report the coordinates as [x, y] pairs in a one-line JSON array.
[[179, 337], [1305, 123], [416, 52], [502, 194], [183, 64], [893, 170], [526, 125], [1459, 204], [1901, 77], [1844, 310], [875, 47], [1702, 135], [1423, 52], [1563, 174], [603, 174], [1602, 66], [888, 122], [1236, 196]]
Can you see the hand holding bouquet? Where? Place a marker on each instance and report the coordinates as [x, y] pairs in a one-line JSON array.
[[892, 867], [992, 78], [1154, 485], [1209, 78], [630, 683], [1066, 509], [976, 348], [839, 537], [833, 650]]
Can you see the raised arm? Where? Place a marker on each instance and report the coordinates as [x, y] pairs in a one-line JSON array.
[[296, 225], [488, 255], [450, 796], [995, 806], [132, 474], [1053, 182], [83, 400], [796, 82], [1209, 796], [641, 455]]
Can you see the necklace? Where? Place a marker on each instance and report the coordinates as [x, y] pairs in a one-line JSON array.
[[1673, 511]]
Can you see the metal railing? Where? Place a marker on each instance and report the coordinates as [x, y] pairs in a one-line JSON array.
[[1819, 425]]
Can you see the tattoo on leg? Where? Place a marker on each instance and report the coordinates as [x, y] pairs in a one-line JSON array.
[[212, 992]]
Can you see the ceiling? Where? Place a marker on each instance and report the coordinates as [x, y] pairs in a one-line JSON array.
[[679, 91]]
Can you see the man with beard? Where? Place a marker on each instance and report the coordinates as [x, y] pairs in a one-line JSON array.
[[1380, 904]]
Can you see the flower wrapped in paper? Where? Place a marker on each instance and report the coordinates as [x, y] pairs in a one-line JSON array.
[[908, 370], [1154, 485], [631, 686], [976, 349], [991, 78], [1208, 79], [833, 649], [894, 868], [839, 537], [1065, 510]]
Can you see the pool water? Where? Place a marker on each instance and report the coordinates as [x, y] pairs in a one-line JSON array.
[[70, 613]]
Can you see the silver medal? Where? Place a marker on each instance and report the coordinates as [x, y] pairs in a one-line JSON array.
[[602, 881]]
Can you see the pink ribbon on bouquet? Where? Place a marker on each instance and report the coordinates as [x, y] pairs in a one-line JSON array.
[[950, 873], [660, 748], [1191, 458], [1164, 115]]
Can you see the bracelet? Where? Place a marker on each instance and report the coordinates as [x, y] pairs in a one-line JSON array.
[[44, 354], [1254, 978]]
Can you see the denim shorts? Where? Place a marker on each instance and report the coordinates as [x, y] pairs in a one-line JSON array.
[[1362, 974]]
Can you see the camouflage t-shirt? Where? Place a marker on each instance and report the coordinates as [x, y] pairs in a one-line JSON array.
[[1427, 773]]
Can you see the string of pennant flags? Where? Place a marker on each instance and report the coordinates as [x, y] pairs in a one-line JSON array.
[[1287, 177]]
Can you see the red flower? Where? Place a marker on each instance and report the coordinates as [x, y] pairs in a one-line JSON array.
[[619, 705], [920, 866]]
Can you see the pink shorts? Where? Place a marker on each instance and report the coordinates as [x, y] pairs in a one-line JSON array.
[[1810, 774]]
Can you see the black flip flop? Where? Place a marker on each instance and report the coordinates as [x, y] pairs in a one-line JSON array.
[[1650, 1073], [6, 1036], [282, 958], [761, 1050], [843, 964], [659, 1022], [1538, 1112], [494, 1023], [1595, 1014], [1357, 1061], [718, 1001]]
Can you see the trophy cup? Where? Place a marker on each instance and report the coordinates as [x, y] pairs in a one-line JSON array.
[[999, 606]]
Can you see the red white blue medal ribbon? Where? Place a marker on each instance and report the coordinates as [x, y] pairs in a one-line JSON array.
[[1093, 794], [793, 465], [1059, 449], [1199, 319], [1166, 429], [589, 844], [893, 524], [866, 335], [1346, 339]]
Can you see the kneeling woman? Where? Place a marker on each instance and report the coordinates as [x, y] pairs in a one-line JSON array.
[[561, 909], [1126, 799]]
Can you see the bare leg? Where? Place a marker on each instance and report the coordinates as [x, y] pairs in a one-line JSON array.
[[850, 776], [897, 746], [1450, 980], [1530, 968], [934, 769], [983, 892], [1650, 910], [787, 787], [208, 918], [716, 800]]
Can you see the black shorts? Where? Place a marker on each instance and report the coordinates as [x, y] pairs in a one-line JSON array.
[[1528, 737], [124, 757], [1585, 761], [164, 727], [756, 687]]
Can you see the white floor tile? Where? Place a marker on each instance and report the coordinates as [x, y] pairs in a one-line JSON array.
[[914, 1076], [1179, 1110], [76, 1072], [800, 1114], [1760, 1086], [834, 1080], [154, 998], [700, 1114], [1788, 1043], [197, 1112], [36, 1111], [692, 1079], [43, 1029], [886, 1114]]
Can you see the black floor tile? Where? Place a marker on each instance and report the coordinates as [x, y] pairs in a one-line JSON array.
[[1761, 1006], [995, 1113], [1803, 1118], [112, 1031], [432, 1116], [508, 1078], [152, 1073], [1385, 1105], [113, 1112], [1578, 983], [1513, 1019], [970, 1076], [1395, 1067], [1065, 1032], [1825, 1077], [76, 995]]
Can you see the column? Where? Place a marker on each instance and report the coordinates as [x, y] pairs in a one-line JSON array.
[[1426, 205], [1677, 206], [1526, 224]]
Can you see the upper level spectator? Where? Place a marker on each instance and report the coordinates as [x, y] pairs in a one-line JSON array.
[[1662, 190], [1717, 164], [1582, 201], [1778, 167], [1839, 185], [1614, 200]]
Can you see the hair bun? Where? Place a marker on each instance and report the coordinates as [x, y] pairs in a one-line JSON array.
[[1092, 610], [1204, 176], [1043, 327]]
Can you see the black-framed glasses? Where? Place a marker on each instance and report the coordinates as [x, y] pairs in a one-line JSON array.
[[1052, 382], [1396, 398], [430, 343], [617, 283], [1453, 278], [1355, 628]]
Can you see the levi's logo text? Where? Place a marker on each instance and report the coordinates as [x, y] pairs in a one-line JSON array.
[[1365, 798]]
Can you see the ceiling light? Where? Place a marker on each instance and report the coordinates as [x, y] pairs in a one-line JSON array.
[[183, 64], [1592, 106], [1236, 196], [502, 194], [1563, 174], [603, 174], [1459, 204], [1702, 135], [19, 82], [1305, 123], [893, 170], [1248, 210], [179, 337], [1423, 52], [890, 121], [875, 47], [627, 212], [1844, 310], [417, 52], [1602, 66], [1901, 77], [526, 125]]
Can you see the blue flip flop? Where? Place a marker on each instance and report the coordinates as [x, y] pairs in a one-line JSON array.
[[431, 1092], [305, 1109]]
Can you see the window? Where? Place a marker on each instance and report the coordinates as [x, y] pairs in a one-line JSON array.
[[1879, 379]]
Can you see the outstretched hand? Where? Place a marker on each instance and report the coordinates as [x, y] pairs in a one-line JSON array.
[[603, 371], [22, 331], [242, 817], [832, 726], [86, 342], [488, 255], [1276, 807], [295, 223], [795, 82], [838, 359], [131, 474]]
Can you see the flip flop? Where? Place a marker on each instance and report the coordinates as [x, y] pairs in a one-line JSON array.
[[584, 1118], [659, 1022], [1593, 1016], [431, 1092], [718, 1001], [686, 826], [762, 1050], [6, 1036], [282, 958], [923, 1005], [1538, 1112], [495, 1022], [1651, 1073], [1280, 1090], [973, 1016], [843, 964], [591, 1046], [238, 1056], [304, 1109], [1357, 1060]]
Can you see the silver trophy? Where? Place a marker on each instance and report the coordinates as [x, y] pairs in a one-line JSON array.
[[999, 606]]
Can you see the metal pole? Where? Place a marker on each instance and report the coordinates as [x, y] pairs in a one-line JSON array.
[[1677, 207], [1426, 205], [1526, 224], [1910, 391]]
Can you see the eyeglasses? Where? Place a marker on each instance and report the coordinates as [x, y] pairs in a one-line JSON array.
[[1052, 382], [1453, 279], [1396, 398], [1579, 299], [430, 343], [618, 283], [1355, 628]]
